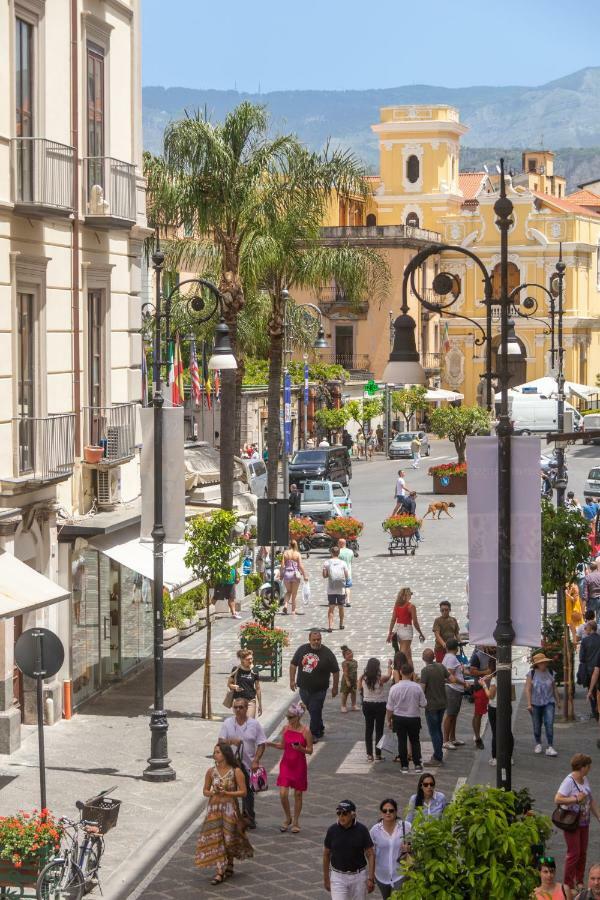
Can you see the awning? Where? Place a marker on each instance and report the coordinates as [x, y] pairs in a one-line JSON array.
[[434, 394], [22, 589], [126, 548], [547, 387]]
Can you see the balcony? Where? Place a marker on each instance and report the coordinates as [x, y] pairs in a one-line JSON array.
[[109, 186], [43, 177], [332, 299], [44, 448], [357, 364], [432, 362], [379, 236], [113, 428]]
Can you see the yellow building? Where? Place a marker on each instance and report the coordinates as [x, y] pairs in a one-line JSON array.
[[421, 197]]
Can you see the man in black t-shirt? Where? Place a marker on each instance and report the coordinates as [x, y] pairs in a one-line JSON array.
[[348, 856], [310, 670]]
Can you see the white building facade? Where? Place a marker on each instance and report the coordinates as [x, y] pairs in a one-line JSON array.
[[72, 226]]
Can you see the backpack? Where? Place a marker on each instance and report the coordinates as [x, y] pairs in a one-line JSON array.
[[337, 570]]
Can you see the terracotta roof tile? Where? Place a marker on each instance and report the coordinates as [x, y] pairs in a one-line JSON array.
[[584, 198], [470, 183], [566, 204]]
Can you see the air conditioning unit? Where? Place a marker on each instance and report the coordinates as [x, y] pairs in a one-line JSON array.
[[116, 442], [108, 488]]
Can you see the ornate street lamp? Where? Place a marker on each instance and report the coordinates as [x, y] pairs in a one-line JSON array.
[[159, 765]]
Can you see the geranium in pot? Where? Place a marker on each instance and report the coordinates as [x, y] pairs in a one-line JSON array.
[[401, 526], [343, 527], [261, 636], [449, 478], [27, 841], [301, 528]]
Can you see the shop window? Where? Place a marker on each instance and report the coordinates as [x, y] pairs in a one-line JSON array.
[[413, 168]]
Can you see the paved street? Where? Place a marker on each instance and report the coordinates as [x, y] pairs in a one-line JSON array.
[[107, 742]]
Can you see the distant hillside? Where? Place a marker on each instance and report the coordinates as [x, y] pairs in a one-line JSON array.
[[561, 114]]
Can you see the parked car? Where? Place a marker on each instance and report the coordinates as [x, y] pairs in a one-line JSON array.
[[592, 485], [322, 500], [591, 423], [400, 446], [320, 464], [257, 476]]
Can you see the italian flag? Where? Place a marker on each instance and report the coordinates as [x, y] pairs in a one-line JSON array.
[[176, 372]]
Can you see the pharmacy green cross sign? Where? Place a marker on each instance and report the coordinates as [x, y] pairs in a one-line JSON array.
[[371, 388]]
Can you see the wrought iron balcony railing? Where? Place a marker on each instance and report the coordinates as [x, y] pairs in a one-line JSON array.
[[109, 191], [43, 175], [45, 446], [431, 361], [111, 427]]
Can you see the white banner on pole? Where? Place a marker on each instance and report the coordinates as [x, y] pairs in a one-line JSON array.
[[526, 547]]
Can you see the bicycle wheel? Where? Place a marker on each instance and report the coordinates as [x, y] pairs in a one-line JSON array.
[[92, 863], [60, 880]]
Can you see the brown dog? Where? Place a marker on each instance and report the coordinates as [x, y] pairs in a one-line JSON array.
[[441, 506]]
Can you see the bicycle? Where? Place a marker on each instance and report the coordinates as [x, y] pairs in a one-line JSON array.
[[75, 872]]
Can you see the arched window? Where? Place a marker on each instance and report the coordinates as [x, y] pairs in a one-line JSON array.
[[514, 278], [371, 219], [412, 220], [412, 168]]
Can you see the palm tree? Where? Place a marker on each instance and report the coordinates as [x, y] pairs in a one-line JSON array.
[[289, 255], [218, 182]]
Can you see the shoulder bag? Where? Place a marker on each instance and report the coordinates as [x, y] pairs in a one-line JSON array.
[[228, 699], [566, 819]]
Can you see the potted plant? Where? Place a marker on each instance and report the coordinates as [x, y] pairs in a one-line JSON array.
[[301, 528], [27, 841], [343, 527], [449, 478], [401, 525], [92, 453], [261, 636]]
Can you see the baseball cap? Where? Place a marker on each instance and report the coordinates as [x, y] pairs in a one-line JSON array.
[[345, 806]]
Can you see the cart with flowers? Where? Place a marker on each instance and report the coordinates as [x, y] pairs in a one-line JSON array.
[[403, 530], [27, 842]]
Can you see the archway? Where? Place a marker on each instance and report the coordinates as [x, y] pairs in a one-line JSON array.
[[412, 220], [371, 219], [514, 278]]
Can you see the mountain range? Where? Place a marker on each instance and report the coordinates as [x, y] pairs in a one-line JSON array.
[[562, 115]]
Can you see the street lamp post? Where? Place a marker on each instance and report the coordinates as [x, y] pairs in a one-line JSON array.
[[159, 767]]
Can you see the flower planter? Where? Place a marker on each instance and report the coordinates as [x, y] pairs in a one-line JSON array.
[[186, 629], [450, 484], [170, 637], [402, 532], [92, 454], [266, 656], [24, 876]]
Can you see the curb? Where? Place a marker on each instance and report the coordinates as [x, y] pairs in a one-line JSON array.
[[139, 865]]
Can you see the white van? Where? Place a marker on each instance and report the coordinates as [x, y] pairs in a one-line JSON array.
[[534, 414], [591, 423], [257, 476]]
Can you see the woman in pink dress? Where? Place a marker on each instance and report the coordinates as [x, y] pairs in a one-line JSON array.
[[297, 743]]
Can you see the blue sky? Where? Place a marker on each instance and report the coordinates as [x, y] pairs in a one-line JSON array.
[[345, 44]]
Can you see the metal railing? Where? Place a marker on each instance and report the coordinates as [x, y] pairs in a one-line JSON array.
[[45, 446], [352, 362], [111, 427], [109, 188], [43, 173], [431, 360], [380, 232]]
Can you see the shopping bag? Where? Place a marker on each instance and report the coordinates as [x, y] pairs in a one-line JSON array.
[[306, 593], [388, 743]]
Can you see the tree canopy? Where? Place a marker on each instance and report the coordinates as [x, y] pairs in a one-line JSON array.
[[458, 423]]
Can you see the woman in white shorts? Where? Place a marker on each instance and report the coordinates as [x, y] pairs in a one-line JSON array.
[[403, 622]]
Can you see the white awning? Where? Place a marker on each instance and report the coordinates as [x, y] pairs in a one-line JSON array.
[[442, 394], [22, 589], [126, 548]]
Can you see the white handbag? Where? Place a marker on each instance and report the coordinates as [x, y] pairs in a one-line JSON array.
[[388, 743]]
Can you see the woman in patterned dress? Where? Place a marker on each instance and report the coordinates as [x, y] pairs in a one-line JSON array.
[[222, 836]]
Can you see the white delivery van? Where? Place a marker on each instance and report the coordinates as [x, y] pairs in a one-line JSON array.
[[534, 414], [591, 423]]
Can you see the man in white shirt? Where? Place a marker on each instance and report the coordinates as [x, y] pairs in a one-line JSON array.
[[405, 702], [401, 491], [240, 730], [455, 689], [336, 573]]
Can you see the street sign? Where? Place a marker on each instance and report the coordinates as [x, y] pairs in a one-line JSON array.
[[39, 653]]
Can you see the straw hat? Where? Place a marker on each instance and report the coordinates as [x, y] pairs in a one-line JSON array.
[[538, 658]]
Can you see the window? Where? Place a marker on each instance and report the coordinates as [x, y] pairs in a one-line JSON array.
[[95, 328], [532, 166], [412, 169], [344, 345], [560, 190], [25, 380], [95, 115], [371, 219], [514, 278], [24, 107], [412, 220]]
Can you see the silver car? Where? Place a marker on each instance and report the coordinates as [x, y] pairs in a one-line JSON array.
[[400, 447], [592, 485]]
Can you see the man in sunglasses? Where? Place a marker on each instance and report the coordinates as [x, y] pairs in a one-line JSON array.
[[247, 736], [593, 888], [348, 856]]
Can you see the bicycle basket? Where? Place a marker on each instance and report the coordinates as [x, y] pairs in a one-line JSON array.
[[104, 811]]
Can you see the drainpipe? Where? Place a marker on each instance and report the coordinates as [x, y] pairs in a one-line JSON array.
[[75, 231]]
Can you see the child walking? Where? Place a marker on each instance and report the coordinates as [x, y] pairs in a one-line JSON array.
[[349, 679]]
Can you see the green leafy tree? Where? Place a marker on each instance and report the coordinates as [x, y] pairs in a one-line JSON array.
[[208, 555], [484, 845], [362, 411], [458, 423], [409, 401], [564, 545], [332, 419]]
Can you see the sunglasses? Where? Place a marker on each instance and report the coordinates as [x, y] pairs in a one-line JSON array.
[[547, 861], [390, 811], [428, 784], [343, 812]]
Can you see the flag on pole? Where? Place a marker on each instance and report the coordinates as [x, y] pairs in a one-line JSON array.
[[446, 338], [206, 377], [195, 375], [177, 395], [144, 378], [217, 386]]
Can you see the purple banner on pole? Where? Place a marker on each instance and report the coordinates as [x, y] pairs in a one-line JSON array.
[[526, 546], [305, 383], [287, 412]]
